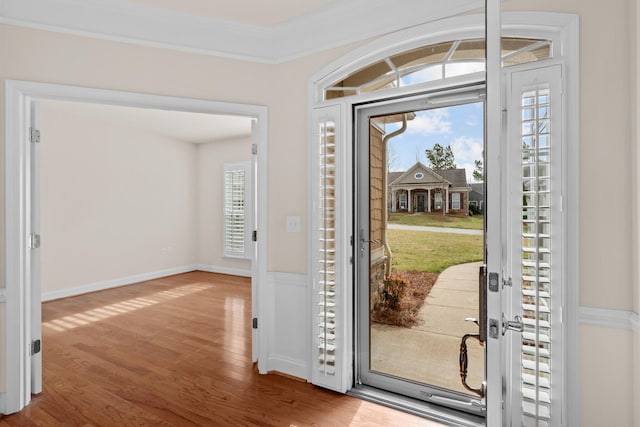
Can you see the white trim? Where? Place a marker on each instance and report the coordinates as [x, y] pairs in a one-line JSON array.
[[349, 21], [2, 402], [289, 279], [115, 283], [609, 318], [137, 278], [16, 95], [289, 366], [3, 297], [543, 24], [223, 270], [278, 360]]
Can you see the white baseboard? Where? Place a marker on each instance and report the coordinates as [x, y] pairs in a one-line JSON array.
[[114, 283], [286, 365], [224, 270], [130, 280], [3, 406], [607, 318]]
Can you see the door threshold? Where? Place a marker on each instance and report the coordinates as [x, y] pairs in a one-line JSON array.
[[420, 408]]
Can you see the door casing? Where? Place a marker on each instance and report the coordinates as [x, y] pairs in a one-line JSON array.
[[563, 30]]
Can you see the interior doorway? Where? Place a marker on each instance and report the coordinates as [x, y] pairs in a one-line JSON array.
[[24, 294], [419, 269]]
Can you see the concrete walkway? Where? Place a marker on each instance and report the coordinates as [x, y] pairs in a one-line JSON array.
[[429, 352], [434, 229]]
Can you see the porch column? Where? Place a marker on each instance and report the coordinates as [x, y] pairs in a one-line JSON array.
[[446, 200], [428, 200], [393, 200], [409, 202]]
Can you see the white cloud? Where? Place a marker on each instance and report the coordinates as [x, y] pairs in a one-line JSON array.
[[424, 75], [466, 151], [430, 122]]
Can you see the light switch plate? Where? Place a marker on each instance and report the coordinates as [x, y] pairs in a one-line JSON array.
[[293, 224]]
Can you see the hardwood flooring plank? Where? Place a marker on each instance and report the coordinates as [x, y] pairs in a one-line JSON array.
[[174, 351]]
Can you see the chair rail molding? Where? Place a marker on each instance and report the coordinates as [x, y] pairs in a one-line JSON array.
[[609, 318]]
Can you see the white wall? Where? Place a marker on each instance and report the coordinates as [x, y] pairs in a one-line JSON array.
[[116, 201], [210, 163]]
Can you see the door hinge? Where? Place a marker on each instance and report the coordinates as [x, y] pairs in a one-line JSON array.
[[34, 241], [255, 323], [34, 347], [254, 235], [254, 149], [34, 135]]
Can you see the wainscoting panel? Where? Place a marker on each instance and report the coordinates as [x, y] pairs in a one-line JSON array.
[[289, 330]]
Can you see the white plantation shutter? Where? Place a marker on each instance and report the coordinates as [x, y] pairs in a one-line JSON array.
[[235, 211], [537, 377], [327, 252]]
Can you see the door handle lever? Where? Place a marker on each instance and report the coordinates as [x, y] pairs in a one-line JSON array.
[[512, 325], [370, 241]]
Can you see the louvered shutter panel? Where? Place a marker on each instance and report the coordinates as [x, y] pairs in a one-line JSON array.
[[538, 376], [234, 211], [328, 254]]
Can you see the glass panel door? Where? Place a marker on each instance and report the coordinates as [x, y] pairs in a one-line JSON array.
[[419, 252]]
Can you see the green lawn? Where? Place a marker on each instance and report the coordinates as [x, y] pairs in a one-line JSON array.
[[432, 252], [437, 220]]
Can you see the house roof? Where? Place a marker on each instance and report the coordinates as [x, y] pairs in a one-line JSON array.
[[478, 187], [454, 177]]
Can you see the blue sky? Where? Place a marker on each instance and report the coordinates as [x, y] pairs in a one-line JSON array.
[[459, 126]]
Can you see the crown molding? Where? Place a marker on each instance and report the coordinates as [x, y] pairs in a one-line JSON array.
[[337, 24]]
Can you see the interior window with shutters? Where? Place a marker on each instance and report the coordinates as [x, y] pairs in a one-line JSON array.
[[235, 211]]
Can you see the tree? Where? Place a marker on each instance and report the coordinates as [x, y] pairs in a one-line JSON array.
[[478, 172], [440, 157]]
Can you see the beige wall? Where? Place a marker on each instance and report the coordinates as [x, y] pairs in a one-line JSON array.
[[210, 166], [607, 135], [41, 56], [116, 201]]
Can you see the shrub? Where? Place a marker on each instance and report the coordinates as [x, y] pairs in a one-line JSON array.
[[392, 291]]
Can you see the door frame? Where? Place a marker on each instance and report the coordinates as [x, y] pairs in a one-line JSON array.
[[563, 30], [17, 301]]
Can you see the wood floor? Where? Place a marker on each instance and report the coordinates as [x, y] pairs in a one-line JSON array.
[[174, 352]]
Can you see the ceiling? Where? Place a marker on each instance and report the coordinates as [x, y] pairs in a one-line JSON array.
[[269, 31], [261, 13], [197, 128]]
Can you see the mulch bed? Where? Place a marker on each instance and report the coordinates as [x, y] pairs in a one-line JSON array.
[[418, 286]]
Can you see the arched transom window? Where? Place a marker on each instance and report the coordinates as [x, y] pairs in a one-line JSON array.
[[435, 62]]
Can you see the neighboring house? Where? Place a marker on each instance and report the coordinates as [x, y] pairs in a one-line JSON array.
[[476, 196], [422, 189]]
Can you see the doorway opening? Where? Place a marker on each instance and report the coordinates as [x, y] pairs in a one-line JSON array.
[[23, 152], [421, 251]]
